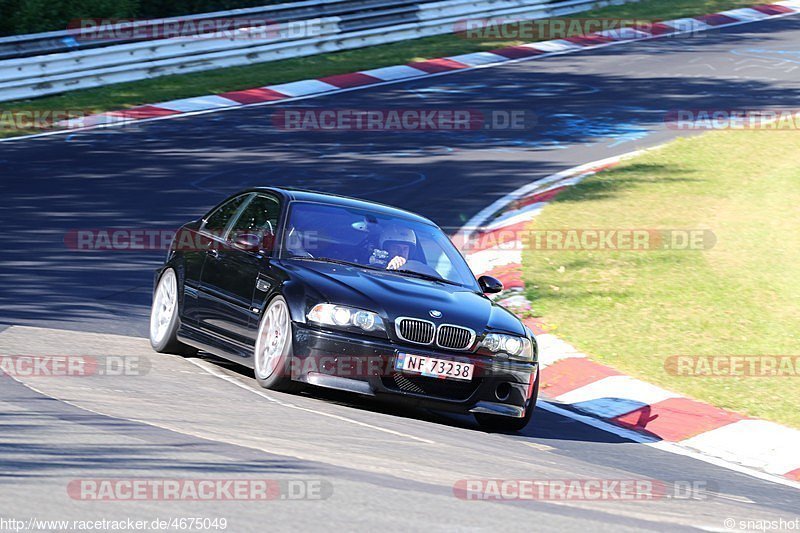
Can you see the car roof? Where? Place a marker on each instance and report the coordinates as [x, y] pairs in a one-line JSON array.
[[305, 195]]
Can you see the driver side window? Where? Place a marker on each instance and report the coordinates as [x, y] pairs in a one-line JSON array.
[[259, 217]]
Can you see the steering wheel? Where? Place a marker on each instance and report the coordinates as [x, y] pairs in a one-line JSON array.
[[420, 267]]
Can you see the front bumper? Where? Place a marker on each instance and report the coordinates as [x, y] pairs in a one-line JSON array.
[[365, 365]]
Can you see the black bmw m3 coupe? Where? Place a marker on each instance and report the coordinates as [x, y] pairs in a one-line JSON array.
[[309, 288]]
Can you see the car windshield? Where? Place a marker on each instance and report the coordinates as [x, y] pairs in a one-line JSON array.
[[374, 240]]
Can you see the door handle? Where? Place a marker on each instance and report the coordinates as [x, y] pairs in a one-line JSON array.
[[213, 253]]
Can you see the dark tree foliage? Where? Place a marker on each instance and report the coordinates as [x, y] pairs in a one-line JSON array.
[[33, 16]]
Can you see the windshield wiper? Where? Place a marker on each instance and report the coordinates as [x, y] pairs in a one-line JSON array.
[[424, 276], [335, 261]]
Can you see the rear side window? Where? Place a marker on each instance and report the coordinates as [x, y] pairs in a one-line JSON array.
[[217, 221]]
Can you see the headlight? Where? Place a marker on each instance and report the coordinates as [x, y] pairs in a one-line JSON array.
[[346, 317], [517, 347]]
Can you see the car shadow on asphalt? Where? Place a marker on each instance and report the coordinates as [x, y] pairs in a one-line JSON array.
[[544, 426]]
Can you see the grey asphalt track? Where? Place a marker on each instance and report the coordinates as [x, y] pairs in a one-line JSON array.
[[389, 468], [205, 418]]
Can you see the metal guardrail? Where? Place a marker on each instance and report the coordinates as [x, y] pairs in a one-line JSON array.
[[359, 23]]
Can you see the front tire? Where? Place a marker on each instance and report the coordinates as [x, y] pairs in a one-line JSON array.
[[164, 317], [273, 352]]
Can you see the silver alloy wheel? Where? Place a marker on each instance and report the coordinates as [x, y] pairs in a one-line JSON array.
[[273, 334], [164, 306]]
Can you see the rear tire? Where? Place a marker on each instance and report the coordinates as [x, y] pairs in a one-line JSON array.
[[273, 352], [507, 424], [165, 317]]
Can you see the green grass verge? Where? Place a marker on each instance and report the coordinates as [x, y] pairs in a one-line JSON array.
[[631, 310], [124, 95]]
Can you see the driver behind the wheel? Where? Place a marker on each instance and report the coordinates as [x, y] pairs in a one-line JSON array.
[[399, 243]]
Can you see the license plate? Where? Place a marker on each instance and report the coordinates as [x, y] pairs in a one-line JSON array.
[[434, 368]]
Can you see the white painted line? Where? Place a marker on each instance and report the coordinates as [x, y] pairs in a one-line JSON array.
[[753, 443], [303, 87], [90, 120], [478, 58], [198, 103], [578, 172], [679, 449], [614, 396], [670, 447], [166, 427], [397, 72], [553, 349], [618, 387], [745, 14], [515, 300], [557, 45], [549, 358], [516, 216], [486, 260], [606, 408], [531, 45], [595, 423], [688, 25], [537, 446], [543, 187], [214, 372]]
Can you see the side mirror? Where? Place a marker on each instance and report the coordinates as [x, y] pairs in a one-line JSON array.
[[490, 285], [249, 242]]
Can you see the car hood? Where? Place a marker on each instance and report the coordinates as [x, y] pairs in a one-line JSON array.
[[392, 295]]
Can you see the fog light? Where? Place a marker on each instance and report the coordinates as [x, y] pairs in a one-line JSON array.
[[503, 391]]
